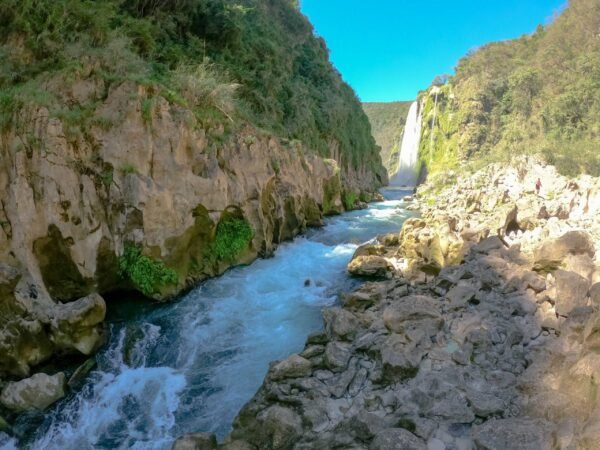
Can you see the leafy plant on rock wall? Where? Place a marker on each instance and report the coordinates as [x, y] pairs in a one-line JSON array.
[[146, 274], [232, 237]]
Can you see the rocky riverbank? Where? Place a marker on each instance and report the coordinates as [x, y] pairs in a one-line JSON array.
[[479, 330]]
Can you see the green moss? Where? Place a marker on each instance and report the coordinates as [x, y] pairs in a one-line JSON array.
[[232, 237], [146, 274]]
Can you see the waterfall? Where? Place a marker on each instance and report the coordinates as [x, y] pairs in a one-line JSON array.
[[407, 170]]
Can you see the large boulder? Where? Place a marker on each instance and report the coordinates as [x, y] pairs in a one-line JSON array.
[[196, 441], [370, 267], [35, 393], [550, 255], [412, 312], [280, 427], [293, 367], [340, 324], [76, 325], [513, 434], [571, 291]]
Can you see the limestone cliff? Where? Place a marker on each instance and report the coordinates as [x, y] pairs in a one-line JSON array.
[[71, 205], [149, 145]]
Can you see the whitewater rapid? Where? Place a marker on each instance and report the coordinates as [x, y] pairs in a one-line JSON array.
[[191, 365]]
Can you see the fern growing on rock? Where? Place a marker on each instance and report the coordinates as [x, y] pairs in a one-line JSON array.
[[146, 274]]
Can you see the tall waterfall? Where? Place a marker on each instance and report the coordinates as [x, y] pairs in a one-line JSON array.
[[407, 170]]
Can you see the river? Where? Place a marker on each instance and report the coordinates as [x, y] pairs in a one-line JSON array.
[[192, 364]]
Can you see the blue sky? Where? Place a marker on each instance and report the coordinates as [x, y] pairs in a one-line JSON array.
[[390, 49]]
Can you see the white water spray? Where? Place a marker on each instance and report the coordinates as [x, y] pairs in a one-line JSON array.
[[407, 167]]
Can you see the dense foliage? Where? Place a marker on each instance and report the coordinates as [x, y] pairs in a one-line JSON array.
[[229, 60], [539, 94], [232, 237], [387, 123], [146, 274]]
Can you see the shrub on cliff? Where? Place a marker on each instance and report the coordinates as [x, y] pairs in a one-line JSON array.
[[233, 236], [146, 274], [200, 53]]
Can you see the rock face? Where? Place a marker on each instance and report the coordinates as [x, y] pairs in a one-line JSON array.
[[71, 203], [492, 351], [37, 392]]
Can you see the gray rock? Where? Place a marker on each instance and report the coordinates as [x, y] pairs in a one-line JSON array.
[[414, 308], [293, 367], [35, 393], [460, 295], [76, 325], [485, 404], [280, 427], [361, 300], [337, 356], [595, 295], [196, 441], [488, 245], [517, 433], [551, 253], [571, 291], [340, 323], [400, 360], [582, 265], [396, 439]]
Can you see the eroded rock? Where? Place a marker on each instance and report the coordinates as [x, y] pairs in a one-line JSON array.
[[34, 393]]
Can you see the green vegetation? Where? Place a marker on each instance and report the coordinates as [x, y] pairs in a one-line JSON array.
[[146, 274], [147, 109], [232, 237], [349, 200], [229, 61], [539, 94], [128, 169], [387, 123]]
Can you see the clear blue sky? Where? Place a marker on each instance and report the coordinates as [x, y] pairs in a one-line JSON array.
[[390, 49]]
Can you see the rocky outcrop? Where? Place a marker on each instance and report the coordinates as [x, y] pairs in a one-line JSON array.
[[35, 393], [488, 350], [186, 200]]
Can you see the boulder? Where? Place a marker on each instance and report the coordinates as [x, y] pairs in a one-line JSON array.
[[360, 300], [399, 358], [280, 427], [582, 265], [340, 324], [293, 367], [595, 295], [196, 441], [460, 295], [550, 255], [369, 249], [517, 433], [404, 312], [396, 439], [35, 393], [370, 267], [571, 291], [337, 355], [77, 325]]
